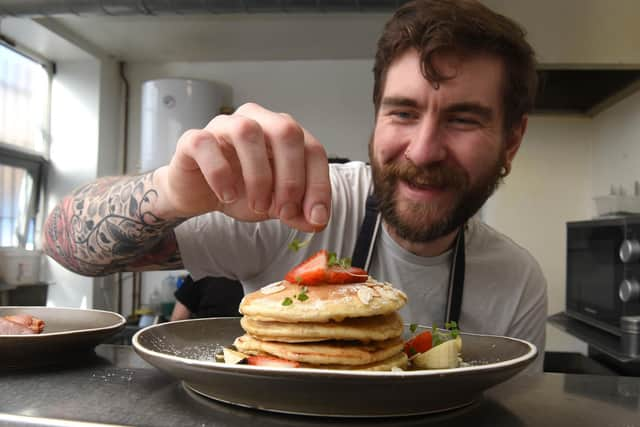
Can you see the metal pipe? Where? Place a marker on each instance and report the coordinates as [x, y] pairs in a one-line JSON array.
[[36, 8]]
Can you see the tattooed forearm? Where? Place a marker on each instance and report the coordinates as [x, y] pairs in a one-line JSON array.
[[109, 226]]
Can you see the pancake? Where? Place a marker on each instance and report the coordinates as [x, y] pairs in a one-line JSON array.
[[398, 361], [365, 329], [323, 303], [323, 353]]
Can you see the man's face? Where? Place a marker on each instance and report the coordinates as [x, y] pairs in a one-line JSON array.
[[437, 154]]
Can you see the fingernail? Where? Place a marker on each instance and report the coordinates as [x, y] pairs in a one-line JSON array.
[[319, 214], [261, 206], [289, 211], [228, 196]]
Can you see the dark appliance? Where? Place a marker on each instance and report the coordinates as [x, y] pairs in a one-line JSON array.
[[603, 276]]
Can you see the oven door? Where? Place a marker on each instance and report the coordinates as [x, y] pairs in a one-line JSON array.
[[594, 273]]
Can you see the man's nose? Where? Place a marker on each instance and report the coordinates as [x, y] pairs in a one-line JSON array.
[[427, 144]]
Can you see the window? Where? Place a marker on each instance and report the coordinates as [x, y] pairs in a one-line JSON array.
[[24, 109]]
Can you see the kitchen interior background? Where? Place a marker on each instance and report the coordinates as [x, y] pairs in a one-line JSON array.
[[318, 67]]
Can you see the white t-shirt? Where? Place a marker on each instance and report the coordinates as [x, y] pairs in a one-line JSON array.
[[504, 288]]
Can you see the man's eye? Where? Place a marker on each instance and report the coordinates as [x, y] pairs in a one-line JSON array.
[[467, 121], [404, 115]]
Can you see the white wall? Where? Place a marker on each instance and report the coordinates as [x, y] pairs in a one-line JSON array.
[[564, 163], [549, 185], [332, 99], [74, 155], [616, 152], [110, 157]]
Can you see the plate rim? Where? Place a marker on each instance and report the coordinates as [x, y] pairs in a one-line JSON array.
[[121, 322], [248, 369]]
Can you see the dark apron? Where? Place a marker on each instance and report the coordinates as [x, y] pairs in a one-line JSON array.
[[366, 242]]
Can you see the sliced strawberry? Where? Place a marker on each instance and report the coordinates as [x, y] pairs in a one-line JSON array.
[[418, 344], [315, 270], [339, 275], [272, 361], [310, 272]]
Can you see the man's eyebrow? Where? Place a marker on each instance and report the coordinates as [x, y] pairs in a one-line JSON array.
[[459, 107], [398, 101], [471, 107]]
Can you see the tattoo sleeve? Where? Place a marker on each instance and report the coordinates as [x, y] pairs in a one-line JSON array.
[[109, 226]]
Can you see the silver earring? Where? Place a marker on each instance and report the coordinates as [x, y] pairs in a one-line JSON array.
[[406, 155]]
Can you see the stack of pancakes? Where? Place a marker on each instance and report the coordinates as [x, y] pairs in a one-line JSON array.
[[347, 326]]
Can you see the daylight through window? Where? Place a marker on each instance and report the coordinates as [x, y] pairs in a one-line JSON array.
[[24, 101]]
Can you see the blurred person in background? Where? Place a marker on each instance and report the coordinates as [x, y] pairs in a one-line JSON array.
[[207, 297]]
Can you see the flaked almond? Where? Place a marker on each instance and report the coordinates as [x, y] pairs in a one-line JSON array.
[[272, 288], [387, 292], [365, 294], [377, 285], [374, 289]]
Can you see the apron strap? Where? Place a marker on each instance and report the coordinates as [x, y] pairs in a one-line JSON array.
[[367, 236], [366, 242], [456, 279]]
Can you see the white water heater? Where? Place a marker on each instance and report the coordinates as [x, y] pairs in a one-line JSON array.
[[169, 108]]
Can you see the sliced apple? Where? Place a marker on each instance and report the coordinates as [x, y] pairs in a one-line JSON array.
[[442, 356], [233, 357]]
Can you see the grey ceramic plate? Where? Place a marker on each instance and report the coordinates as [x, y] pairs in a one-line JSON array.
[[186, 350], [67, 332]]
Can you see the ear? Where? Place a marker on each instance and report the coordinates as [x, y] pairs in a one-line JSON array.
[[514, 139]]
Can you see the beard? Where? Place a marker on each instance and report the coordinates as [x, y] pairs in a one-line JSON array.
[[421, 222]]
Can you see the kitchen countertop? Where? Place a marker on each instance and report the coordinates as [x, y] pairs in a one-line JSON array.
[[115, 386]]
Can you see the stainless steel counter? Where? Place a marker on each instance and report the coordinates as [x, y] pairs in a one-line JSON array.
[[115, 386]]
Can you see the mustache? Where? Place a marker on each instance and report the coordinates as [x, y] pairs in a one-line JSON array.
[[436, 175]]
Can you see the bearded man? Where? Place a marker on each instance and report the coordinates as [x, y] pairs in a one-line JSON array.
[[454, 83]]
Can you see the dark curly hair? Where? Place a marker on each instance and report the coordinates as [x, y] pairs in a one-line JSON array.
[[463, 27]]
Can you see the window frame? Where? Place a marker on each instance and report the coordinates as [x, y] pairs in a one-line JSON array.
[[35, 164]]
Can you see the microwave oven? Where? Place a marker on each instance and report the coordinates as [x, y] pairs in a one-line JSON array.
[[603, 273]]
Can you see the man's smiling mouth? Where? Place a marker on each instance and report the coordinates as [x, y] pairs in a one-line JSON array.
[[425, 185]]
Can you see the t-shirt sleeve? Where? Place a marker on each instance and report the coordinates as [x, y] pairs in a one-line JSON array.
[[217, 245]]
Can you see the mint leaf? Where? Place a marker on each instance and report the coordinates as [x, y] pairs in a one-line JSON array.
[[296, 244], [453, 328], [302, 296], [345, 262], [287, 301], [333, 259], [342, 262]]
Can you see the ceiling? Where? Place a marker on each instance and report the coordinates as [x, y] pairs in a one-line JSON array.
[[234, 37], [289, 30]]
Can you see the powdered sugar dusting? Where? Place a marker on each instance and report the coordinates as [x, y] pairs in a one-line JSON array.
[[200, 352]]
